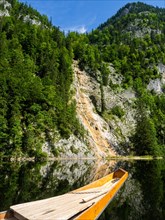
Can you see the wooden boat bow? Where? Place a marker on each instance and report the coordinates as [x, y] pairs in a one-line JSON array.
[[87, 202]]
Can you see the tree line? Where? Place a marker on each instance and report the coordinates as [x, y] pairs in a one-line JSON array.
[[35, 84]]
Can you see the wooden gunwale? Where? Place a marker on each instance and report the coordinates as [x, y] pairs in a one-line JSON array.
[[9, 214], [96, 210]]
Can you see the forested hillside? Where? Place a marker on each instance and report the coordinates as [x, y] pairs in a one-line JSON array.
[[35, 79], [133, 43], [126, 53]]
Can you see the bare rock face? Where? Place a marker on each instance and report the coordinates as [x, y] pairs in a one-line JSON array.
[[157, 84], [88, 98], [69, 148], [6, 6], [73, 148], [121, 127], [108, 132], [32, 21]]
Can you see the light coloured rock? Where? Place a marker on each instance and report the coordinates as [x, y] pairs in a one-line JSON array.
[[157, 84], [114, 77], [5, 11], [47, 149], [115, 131], [125, 11], [161, 70], [6, 4], [73, 148], [102, 137], [32, 21], [69, 170], [87, 107], [133, 27], [120, 128]]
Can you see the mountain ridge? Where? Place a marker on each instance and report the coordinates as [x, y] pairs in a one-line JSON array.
[[136, 7], [134, 46]]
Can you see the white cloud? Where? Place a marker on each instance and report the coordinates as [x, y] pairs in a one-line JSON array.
[[80, 29]]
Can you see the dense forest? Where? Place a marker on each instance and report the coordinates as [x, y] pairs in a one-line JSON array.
[[36, 75], [35, 79]]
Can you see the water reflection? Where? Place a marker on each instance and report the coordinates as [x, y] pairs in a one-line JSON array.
[[141, 198], [25, 182], [143, 195]]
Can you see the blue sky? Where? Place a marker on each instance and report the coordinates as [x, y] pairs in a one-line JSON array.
[[82, 15]]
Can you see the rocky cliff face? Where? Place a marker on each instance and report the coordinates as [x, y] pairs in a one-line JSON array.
[[110, 133], [87, 95], [157, 85], [104, 135], [5, 8]]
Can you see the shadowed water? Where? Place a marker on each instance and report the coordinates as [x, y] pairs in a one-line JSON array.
[[141, 197]]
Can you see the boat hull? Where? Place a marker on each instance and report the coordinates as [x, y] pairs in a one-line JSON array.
[[96, 210], [92, 204]]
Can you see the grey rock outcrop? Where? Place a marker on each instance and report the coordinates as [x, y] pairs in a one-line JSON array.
[[157, 84], [6, 7]]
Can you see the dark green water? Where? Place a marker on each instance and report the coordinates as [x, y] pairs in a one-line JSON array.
[[141, 198]]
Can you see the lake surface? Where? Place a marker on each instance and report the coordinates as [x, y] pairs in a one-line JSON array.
[[141, 198]]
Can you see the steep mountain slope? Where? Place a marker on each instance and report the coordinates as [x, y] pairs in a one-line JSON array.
[[96, 127], [126, 56]]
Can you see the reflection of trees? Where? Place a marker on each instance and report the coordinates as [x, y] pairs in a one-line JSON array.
[[124, 206], [8, 184], [163, 203], [150, 176], [28, 182], [127, 204], [18, 183], [142, 197]]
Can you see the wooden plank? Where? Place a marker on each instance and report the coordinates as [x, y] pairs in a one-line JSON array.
[[19, 217], [64, 206], [37, 205], [48, 204], [104, 189], [71, 212], [62, 213], [52, 205], [94, 211], [58, 208], [94, 196]]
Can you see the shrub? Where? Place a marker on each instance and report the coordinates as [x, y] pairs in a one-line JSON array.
[[118, 111]]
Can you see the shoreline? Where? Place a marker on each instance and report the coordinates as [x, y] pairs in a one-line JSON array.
[[108, 158]]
